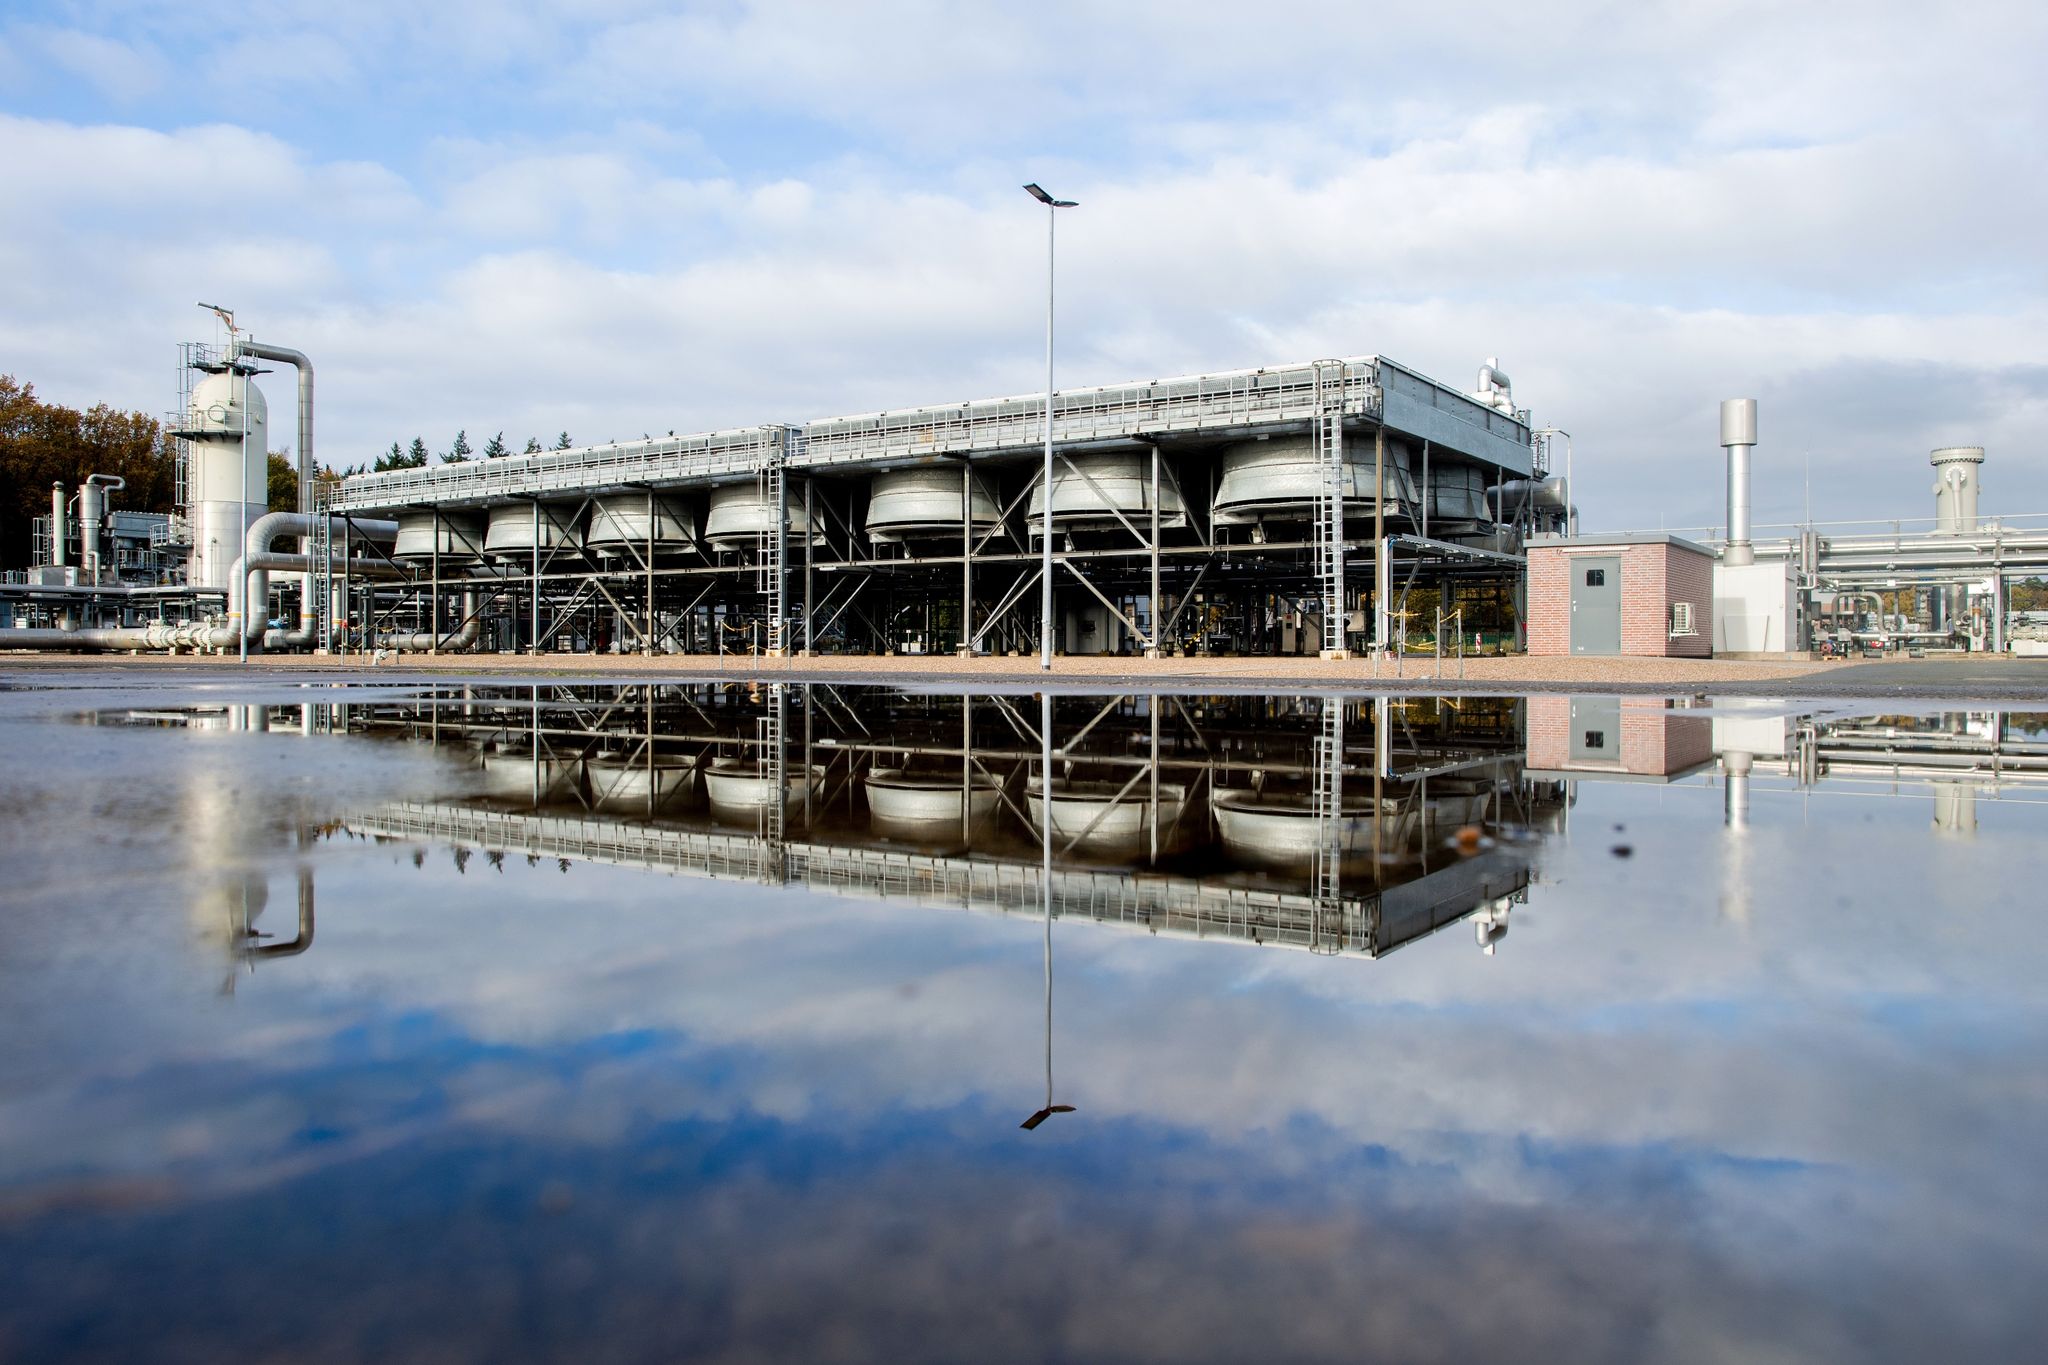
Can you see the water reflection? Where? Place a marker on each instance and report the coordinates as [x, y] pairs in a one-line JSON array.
[[1327, 823], [710, 1114]]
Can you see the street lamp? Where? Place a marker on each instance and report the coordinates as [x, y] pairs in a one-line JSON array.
[[1052, 208]]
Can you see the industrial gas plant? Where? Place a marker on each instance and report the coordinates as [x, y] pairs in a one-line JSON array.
[[1325, 508]]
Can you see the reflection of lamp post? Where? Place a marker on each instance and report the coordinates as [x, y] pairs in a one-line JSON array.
[[1045, 830], [1052, 208]]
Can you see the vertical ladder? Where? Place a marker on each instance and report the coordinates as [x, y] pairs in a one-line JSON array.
[[771, 763], [771, 555], [1326, 804], [317, 500], [1328, 439]]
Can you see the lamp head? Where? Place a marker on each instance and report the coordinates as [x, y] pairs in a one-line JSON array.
[[1042, 197]]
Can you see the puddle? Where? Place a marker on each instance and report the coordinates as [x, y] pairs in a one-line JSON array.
[[693, 1019]]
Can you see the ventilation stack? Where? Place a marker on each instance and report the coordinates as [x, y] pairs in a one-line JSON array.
[[1738, 437]]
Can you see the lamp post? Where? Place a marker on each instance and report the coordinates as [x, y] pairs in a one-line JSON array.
[[1052, 208], [1045, 889]]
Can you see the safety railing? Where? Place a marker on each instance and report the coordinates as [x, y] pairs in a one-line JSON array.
[[586, 468]]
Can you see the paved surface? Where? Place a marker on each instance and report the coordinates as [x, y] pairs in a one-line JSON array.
[[1992, 680]]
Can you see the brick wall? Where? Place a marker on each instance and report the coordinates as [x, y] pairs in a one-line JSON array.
[[1550, 602], [1655, 740], [1652, 578], [1550, 719]]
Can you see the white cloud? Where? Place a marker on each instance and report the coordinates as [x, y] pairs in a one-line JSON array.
[[766, 212]]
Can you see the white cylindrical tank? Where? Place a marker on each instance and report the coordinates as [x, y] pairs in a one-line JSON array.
[[462, 536], [1955, 488], [739, 514], [514, 528], [620, 520], [1281, 478], [227, 441], [60, 515], [927, 807], [924, 504], [740, 789], [1089, 813], [637, 789], [1087, 495]]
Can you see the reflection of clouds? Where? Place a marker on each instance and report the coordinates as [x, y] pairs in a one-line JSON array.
[[1418, 1151]]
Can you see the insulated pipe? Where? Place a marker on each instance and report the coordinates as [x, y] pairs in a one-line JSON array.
[[249, 584], [284, 355], [60, 508], [300, 941], [472, 628], [161, 635], [1738, 437]]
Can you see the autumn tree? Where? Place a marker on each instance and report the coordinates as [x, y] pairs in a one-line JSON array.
[[41, 443], [283, 482]]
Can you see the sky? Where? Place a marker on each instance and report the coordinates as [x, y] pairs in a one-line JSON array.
[[633, 217]]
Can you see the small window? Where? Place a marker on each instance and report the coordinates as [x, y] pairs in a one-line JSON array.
[[1681, 618], [1596, 739], [1596, 578]]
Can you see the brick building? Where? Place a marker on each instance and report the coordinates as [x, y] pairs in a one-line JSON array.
[[1644, 594], [1618, 737]]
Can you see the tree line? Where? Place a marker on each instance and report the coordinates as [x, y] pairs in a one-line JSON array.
[[42, 443], [417, 456]]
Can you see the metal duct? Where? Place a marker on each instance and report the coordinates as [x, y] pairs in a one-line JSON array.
[[284, 355], [1738, 437]]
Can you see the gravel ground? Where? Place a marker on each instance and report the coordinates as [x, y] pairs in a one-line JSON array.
[[1985, 679]]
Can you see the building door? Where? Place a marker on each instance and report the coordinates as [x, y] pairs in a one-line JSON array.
[[1596, 605], [1596, 730]]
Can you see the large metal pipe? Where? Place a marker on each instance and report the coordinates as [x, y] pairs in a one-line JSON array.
[[249, 585], [159, 635], [472, 628], [284, 355], [1738, 438]]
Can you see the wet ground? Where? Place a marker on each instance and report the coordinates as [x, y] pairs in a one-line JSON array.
[[1979, 677], [557, 1021]]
